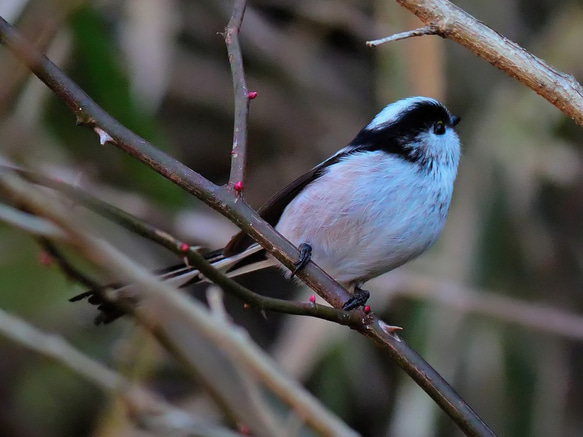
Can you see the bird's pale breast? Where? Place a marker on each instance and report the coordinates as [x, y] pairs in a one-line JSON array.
[[366, 215]]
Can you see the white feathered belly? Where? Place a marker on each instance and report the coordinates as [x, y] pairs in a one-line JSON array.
[[369, 215]]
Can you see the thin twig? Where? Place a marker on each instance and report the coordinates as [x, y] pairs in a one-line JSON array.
[[422, 31], [239, 151], [44, 230], [70, 271], [560, 89]]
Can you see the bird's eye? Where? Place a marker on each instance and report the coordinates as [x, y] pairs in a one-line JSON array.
[[439, 128]]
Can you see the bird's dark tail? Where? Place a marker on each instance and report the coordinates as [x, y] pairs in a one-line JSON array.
[[178, 275]]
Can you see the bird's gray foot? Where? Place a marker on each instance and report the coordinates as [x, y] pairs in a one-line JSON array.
[[359, 298], [305, 257]]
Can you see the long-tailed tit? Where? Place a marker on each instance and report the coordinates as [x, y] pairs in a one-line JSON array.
[[376, 204]]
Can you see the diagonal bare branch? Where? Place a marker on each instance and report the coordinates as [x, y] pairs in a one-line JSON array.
[[452, 22]]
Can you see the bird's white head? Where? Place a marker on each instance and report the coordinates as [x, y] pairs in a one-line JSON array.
[[418, 129]]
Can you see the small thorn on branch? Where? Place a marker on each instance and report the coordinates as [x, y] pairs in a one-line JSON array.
[[389, 329], [252, 94], [104, 137], [422, 31]]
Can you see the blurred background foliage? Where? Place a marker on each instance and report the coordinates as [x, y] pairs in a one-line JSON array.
[[160, 67]]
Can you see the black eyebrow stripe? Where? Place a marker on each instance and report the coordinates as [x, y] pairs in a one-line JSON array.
[[384, 140], [394, 137]]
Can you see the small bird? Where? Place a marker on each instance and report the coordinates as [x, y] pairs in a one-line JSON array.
[[376, 204]]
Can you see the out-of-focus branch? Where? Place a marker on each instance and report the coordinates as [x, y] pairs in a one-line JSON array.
[[181, 324], [44, 230], [232, 206], [40, 22], [147, 410], [451, 22], [29, 223], [239, 151], [534, 316], [116, 215]]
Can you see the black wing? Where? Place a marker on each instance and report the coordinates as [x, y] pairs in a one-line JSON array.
[[272, 210]]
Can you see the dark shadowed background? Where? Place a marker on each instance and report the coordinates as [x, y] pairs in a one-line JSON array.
[[513, 242]]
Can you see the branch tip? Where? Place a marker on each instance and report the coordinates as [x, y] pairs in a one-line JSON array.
[[422, 31]]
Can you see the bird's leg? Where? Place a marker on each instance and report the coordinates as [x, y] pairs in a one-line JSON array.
[[358, 298], [305, 257]]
